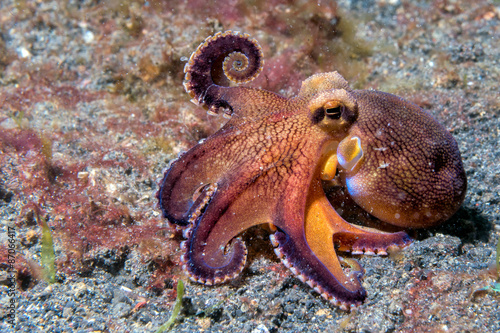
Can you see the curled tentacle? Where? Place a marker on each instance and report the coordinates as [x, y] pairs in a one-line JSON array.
[[203, 262], [229, 57], [200, 267]]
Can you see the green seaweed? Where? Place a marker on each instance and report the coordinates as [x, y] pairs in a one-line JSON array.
[[211, 308], [177, 308], [18, 118], [495, 286], [498, 260], [47, 255], [46, 147]]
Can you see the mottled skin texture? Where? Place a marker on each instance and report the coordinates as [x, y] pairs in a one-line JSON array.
[[412, 175], [267, 165]]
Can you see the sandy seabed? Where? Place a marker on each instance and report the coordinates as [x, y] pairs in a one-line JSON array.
[[92, 109]]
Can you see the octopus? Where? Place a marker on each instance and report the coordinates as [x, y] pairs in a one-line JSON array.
[[269, 163]]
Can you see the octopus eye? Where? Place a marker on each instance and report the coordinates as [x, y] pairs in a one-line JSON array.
[[334, 113], [336, 109], [333, 109]]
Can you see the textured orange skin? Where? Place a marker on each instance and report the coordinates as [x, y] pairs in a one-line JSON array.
[[412, 174], [266, 164]]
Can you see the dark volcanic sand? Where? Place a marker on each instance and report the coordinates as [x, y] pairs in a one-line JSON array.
[[92, 109]]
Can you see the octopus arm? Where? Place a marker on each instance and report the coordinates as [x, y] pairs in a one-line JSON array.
[[314, 264], [188, 176], [309, 249], [225, 59], [214, 254], [206, 163]]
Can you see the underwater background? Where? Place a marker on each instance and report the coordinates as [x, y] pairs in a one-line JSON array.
[[92, 110]]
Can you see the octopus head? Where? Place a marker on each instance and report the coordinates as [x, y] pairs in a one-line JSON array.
[[399, 164]]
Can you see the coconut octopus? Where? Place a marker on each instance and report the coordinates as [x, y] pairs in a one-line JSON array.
[[268, 163]]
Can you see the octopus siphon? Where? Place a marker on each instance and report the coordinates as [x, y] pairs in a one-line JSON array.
[[268, 164]]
